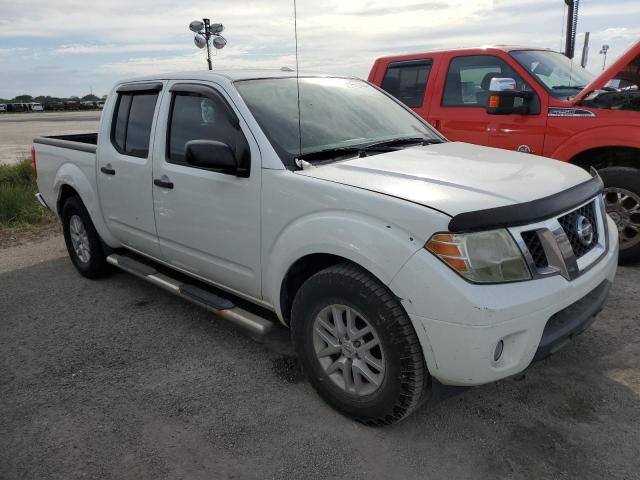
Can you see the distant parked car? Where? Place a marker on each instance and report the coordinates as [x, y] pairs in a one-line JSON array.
[[72, 105], [100, 105], [3, 107], [17, 107], [35, 107], [87, 105], [54, 106]]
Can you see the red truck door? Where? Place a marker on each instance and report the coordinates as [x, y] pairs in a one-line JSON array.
[[462, 93]]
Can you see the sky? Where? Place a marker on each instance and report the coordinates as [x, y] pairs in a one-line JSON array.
[[74, 47]]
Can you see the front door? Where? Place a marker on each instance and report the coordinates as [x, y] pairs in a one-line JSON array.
[[124, 167], [208, 222], [461, 114]]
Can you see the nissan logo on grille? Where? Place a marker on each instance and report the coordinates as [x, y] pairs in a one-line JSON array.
[[584, 229]]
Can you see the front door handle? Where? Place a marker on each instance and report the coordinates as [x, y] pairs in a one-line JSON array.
[[108, 169], [163, 182]]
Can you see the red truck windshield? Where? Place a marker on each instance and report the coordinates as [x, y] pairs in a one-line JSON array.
[[559, 75]]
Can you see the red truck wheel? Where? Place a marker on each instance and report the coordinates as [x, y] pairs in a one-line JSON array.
[[622, 199]]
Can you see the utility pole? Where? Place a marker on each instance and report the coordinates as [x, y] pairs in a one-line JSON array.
[[603, 52], [585, 51], [572, 27], [204, 31]]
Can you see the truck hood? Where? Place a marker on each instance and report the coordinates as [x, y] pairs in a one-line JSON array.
[[455, 177], [611, 72]]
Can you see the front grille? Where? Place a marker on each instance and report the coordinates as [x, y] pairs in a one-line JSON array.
[[533, 243], [568, 223]]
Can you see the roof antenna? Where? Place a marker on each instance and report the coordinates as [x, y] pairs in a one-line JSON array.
[[299, 162]]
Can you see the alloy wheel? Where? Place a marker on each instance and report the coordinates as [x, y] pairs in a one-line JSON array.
[[623, 206], [79, 239], [349, 350]]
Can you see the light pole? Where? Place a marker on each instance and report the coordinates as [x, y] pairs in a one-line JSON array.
[[204, 32], [603, 52]]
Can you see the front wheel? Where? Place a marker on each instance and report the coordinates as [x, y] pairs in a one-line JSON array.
[[358, 347], [622, 201]]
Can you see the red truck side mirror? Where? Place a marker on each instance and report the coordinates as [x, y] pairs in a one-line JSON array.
[[504, 99]]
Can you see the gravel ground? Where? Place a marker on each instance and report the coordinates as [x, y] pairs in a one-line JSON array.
[[116, 379]]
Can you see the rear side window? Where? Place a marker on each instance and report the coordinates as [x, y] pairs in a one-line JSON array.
[[407, 81], [132, 120], [469, 78], [197, 117]]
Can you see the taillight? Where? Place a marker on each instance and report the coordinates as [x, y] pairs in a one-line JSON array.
[[34, 171]]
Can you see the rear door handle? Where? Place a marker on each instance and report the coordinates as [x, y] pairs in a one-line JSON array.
[[108, 169], [161, 182]]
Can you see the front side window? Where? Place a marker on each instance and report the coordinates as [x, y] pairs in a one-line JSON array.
[[197, 117], [334, 113], [559, 75], [407, 81], [469, 79], [132, 120]]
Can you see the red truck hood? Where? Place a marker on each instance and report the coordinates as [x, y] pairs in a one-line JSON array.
[[610, 73]]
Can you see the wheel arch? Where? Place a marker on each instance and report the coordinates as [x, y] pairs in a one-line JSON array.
[[300, 271], [70, 180], [322, 239], [608, 156]]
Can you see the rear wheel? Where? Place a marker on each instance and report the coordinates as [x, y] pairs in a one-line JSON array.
[[358, 346], [82, 239], [622, 200]]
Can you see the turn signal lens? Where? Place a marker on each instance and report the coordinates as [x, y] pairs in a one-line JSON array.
[[482, 257], [444, 246], [494, 101]]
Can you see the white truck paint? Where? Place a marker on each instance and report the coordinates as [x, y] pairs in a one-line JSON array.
[[243, 234]]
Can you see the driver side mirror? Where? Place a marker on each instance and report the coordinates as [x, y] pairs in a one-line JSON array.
[[211, 155], [504, 99]]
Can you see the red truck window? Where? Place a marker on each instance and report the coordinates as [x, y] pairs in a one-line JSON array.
[[468, 80], [407, 81]]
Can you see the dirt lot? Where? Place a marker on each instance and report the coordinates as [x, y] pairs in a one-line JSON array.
[[116, 379], [17, 130]]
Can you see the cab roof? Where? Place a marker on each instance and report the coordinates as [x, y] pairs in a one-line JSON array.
[[229, 75], [468, 50]]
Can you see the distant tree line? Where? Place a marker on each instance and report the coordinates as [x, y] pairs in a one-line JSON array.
[[48, 99]]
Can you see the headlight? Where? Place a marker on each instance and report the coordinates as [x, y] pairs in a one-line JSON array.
[[483, 257]]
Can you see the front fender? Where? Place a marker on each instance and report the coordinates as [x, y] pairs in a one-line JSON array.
[[71, 175], [597, 137], [380, 247]]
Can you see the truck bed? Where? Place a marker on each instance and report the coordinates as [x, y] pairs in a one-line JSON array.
[[64, 157], [85, 142]]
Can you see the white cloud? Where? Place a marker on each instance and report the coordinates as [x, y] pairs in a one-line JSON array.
[[79, 43], [122, 48]]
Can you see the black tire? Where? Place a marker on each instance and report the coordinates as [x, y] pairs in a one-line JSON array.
[[628, 179], [406, 381], [96, 266]]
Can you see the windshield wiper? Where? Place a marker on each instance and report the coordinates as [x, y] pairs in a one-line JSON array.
[[362, 150], [404, 141], [567, 87]]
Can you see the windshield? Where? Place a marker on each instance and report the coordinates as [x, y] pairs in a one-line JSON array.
[[562, 77], [334, 113]]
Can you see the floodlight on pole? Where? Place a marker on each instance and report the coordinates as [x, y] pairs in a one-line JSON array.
[[204, 33]]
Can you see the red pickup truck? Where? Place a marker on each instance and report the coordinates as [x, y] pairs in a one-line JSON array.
[[534, 101]]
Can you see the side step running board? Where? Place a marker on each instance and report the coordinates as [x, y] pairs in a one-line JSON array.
[[215, 303]]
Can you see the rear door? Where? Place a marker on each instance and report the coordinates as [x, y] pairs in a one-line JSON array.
[[125, 167], [408, 80], [208, 222]]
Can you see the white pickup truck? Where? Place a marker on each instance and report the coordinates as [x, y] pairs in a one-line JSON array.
[[395, 256]]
